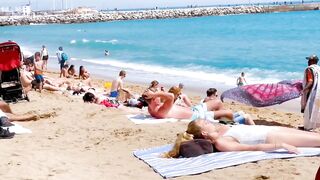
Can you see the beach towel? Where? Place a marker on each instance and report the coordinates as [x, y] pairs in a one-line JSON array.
[[311, 114], [172, 167], [18, 129], [147, 119], [261, 95]]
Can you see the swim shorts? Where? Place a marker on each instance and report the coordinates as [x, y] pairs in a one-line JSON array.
[[200, 111], [39, 78], [114, 94], [239, 118]]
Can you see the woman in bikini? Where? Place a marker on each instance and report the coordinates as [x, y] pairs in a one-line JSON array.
[[251, 138], [85, 76]]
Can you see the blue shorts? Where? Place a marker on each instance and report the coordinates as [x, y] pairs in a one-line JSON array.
[[200, 111], [114, 94], [239, 118], [62, 64], [39, 78]]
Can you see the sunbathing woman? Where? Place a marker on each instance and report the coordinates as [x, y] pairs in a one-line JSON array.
[[84, 75], [72, 71], [251, 138]]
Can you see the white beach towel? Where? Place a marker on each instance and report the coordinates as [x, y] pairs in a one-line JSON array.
[[18, 129], [172, 167], [147, 119]]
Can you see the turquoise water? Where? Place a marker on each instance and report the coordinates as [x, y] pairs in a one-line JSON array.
[[201, 52]]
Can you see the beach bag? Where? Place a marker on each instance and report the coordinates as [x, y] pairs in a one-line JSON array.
[[64, 57]]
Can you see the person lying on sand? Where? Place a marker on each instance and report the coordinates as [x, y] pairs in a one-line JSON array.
[[161, 105], [7, 116], [92, 98], [249, 138]]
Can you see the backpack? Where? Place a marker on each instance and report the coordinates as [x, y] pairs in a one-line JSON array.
[[64, 57]]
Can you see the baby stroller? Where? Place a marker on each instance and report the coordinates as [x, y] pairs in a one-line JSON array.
[[10, 84]]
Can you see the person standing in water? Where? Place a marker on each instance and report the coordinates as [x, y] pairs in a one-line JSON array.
[[241, 80], [44, 56]]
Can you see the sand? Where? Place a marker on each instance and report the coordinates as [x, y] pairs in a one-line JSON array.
[[88, 141]]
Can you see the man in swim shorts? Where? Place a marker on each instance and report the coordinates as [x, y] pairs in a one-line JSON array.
[[117, 86], [161, 105], [38, 70]]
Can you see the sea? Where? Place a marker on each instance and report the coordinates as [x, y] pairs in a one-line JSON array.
[[199, 52]]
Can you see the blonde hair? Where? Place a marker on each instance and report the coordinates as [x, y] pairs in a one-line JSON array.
[[176, 91], [153, 83], [193, 132], [175, 151]]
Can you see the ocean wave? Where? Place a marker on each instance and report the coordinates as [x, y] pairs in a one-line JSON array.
[[113, 41], [85, 40], [27, 51], [73, 41], [200, 74]]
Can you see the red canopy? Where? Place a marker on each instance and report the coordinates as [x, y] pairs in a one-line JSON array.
[[10, 56]]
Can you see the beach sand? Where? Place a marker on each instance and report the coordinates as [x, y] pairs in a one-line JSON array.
[[88, 141]]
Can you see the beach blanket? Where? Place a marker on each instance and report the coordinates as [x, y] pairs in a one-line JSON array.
[[172, 167], [261, 95], [311, 102], [147, 119], [18, 129]]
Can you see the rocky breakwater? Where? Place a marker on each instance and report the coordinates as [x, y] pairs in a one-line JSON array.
[[127, 15]]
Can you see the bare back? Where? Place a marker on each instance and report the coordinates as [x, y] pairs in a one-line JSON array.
[[158, 109], [116, 84]]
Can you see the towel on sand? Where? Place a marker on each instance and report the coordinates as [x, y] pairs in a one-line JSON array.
[[172, 167], [147, 119], [18, 129]]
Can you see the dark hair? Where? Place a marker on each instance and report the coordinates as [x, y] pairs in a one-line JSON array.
[[88, 97], [211, 91], [71, 67], [60, 48], [37, 54], [80, 71], [122, 73]]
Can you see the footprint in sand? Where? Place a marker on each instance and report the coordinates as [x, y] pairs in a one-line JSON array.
[[124, 132], [34, 115], [262, 177], [47, 115]]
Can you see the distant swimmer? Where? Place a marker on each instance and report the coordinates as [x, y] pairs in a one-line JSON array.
[[106, 53]]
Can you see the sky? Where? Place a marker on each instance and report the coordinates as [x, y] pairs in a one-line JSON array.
[[121, 4]]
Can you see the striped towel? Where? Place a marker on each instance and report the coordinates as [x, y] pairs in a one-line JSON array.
[[147, 119], [168, 168]]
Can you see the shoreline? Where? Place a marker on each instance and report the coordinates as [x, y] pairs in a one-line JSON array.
[[151, 14], [83, 137], [197, 93]]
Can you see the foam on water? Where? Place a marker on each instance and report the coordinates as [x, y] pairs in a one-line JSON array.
[[197, 73], [203, 51], [84, 40], [73, 41]]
